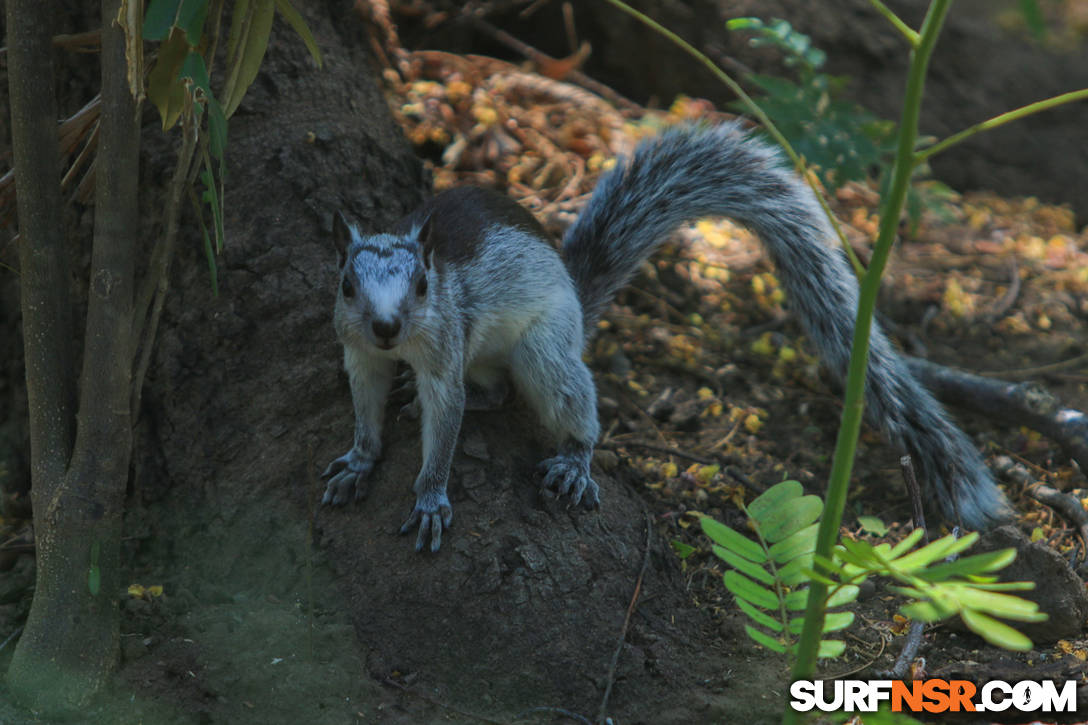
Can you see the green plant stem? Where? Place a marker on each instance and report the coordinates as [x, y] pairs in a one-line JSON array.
[[908, 32], [854, 403], [153, 290], [756, 111], [1000, 120]]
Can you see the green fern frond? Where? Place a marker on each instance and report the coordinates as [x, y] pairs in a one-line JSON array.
[[769, 577]]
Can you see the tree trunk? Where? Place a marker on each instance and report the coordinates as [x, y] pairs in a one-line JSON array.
[[47, 325], [70, 642], [47, 318]]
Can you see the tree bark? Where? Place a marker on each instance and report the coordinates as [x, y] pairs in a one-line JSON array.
[[47, 317], [70, 641]]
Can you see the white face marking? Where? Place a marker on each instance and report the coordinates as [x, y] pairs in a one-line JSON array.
[[386, 293], [381, 276], [385, 266]]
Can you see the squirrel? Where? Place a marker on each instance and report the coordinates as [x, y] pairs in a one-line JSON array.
[[469, 292]]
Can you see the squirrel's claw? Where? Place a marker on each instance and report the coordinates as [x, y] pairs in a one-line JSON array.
[[346, 478], [569, 476], [404, 384], [432, 513], [410, 410]]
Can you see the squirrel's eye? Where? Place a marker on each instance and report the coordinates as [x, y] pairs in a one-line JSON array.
[[347, 288], [421, 286]]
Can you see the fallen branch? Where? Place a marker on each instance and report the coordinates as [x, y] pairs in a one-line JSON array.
[[1020, 403], [1068, 506]]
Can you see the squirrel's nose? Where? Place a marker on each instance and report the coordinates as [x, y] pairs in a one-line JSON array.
[[385, 330]]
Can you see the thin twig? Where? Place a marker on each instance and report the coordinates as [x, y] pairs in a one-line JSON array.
[[914, 638], [158, 275], [678, 367], [1039, 370], [568, 26], [86, 154], [906, 466], [557, 68], [912, 643], [860, 667], [217, 13], [11, 637], [611, 678], [742, 478], [437, 703], [528, 12], [660, 449], [1007, 300], [552, 711], [728, 436]]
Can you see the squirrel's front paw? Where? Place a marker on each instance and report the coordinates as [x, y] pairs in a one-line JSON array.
[[432, 513], [568, 475], [347, 478]]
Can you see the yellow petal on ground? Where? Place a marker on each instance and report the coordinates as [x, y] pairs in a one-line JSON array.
[[706, 473]]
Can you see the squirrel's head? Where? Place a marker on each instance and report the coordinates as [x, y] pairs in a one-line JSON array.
[[383, 283]]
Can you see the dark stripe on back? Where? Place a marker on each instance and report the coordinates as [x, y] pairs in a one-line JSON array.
[[461, 216]]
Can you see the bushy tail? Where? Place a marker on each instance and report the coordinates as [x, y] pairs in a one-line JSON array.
[[691, 172]]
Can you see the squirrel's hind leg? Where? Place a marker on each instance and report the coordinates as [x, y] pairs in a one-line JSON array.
[[548, 372]]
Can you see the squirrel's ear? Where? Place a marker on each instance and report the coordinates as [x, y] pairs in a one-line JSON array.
[[425, 237], [341, 236]]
